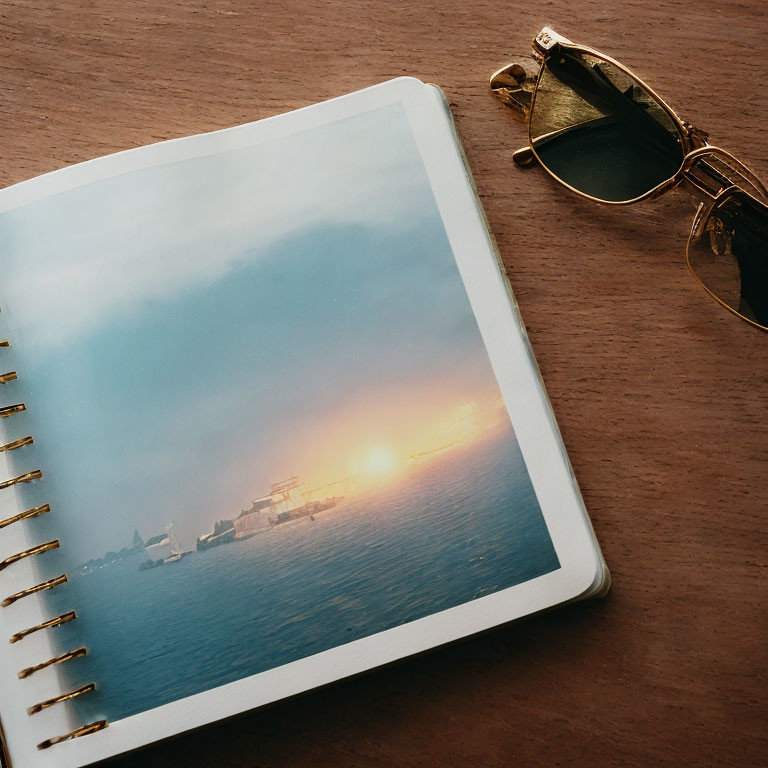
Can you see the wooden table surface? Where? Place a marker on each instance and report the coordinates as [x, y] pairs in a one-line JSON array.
[[662, 397]]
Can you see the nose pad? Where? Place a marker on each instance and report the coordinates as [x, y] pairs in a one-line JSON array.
[[699, 221], [511, 76], [523, 157], [514, 84]]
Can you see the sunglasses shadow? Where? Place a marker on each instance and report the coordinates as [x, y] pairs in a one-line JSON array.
[[660, 225]]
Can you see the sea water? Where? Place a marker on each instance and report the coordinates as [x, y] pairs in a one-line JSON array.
[[457, 526]]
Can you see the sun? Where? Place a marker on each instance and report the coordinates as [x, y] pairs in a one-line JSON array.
[[380, 459]]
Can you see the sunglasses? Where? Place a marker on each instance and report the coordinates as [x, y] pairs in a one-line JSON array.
[[604, 134]]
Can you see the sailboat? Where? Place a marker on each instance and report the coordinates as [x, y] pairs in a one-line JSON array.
[[158, 548], [163, 549], [176, 551]]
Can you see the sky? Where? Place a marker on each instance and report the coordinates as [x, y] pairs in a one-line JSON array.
[[188, 334]]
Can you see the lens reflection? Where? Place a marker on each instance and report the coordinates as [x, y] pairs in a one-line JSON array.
[[730, 255], [599, 131]]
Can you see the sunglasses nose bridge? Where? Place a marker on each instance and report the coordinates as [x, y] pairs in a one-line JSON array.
[[711, 170]]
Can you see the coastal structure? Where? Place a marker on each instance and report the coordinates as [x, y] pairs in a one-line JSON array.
[[287, 500], [223, 533], [112, 557]]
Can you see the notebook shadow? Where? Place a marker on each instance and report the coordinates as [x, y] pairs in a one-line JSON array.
[[443, 707]]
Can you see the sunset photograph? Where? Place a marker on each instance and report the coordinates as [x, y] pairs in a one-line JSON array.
[[290, 434]]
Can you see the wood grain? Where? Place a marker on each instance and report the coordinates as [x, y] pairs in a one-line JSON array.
[[662, 397]]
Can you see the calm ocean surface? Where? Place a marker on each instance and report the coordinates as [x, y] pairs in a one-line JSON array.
[[463, 524]]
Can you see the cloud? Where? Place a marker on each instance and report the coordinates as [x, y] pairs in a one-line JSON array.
[[85, 258]]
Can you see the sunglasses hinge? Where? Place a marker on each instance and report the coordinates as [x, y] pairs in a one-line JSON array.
[[697, 137], [548, 39]]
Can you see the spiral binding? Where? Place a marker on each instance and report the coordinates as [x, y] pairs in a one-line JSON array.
[[28, 477]]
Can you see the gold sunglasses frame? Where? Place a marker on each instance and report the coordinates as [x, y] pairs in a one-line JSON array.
[[517, 85]]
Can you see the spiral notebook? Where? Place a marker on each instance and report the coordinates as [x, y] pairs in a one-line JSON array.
[[270, 419]]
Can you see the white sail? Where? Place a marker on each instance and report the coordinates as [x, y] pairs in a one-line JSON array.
[[175, 548], [159, 551]]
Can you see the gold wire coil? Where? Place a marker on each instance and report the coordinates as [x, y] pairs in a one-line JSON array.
[[27, 477], [33, 710], [76, 654], [56, 622], [9, 410], [83, 730], [14, 444], [34, 512], [50, 584], [38, 550]]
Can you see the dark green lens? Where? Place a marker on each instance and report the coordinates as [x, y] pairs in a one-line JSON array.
[[729, 254], [599, 131]]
